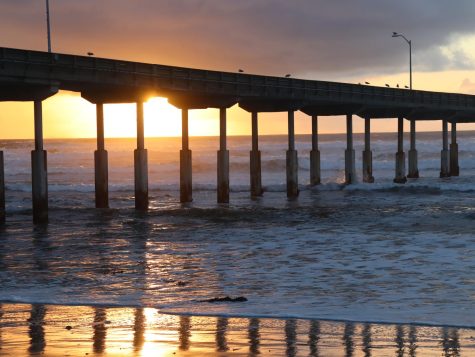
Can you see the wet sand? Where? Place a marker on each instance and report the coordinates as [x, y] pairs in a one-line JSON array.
[[50, 330]]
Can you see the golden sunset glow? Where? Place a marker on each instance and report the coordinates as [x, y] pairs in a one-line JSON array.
[[67, 115]]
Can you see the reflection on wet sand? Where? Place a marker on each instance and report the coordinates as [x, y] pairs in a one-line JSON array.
[[348, 339], [100, 330], [412, 341], [399, 341], [291, 337], [185, 333], [36, 329], [366, 335], [1, 315], [139, 330], [450, 342], [313, 338], [253, 336], [143, 332], [221, 329]]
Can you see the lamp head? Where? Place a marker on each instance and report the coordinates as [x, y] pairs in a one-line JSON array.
[[395, 34]]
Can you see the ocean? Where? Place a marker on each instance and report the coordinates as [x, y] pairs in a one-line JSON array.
[[379, 253]]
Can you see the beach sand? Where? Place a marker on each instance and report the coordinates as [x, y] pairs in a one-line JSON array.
[[51, 330]]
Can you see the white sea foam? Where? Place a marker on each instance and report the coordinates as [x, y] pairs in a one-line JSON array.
[[380, 252]]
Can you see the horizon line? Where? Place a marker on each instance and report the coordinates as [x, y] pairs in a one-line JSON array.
[[231, 135]]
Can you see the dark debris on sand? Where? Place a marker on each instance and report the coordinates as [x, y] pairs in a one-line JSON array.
[[226, 299]]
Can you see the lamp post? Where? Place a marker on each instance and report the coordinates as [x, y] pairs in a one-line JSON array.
[[396, 34], [48, 26]]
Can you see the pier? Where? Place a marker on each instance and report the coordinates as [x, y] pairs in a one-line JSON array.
[[34, 76]]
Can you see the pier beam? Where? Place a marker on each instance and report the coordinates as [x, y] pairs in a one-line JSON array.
[[454, 152], [350, 169], [2, 189], [400, 155], [223, 160], [292, 160], [101, 162], [444, 154], [413, 169], [39, 171], [255, 160], [140, 163], [315, 177], [186, 189], [367, 153]]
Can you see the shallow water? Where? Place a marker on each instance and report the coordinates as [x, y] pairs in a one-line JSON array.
[[367, 252]]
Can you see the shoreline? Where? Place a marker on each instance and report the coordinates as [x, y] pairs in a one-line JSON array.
[[164, 311]]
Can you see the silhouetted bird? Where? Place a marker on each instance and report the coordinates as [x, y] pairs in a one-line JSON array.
[[387, 85], [90, 54], [366, 82], [397, 85], [287, 75], [240, 70], [406, 87]]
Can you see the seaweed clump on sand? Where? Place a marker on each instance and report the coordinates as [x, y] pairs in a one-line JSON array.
[[226, 299]]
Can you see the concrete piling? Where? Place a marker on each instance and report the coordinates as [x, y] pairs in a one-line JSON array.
[[101, 177], [454, 152], [39, 170], [413, 168], [2, 189], [186, 189], [292, 160], [315, 177], [367, 153], [444, 154], [255, 160], [350, 169], [400, 155], [141, 163], [223, 160]]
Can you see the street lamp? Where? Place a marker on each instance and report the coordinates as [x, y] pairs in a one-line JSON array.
[[396, 34], [48, 26]]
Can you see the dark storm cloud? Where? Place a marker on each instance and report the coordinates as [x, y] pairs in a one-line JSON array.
[[268, 36]]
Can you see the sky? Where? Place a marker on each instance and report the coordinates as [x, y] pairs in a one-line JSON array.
[[345, 40]]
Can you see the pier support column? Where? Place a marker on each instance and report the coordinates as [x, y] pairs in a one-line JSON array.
[[2, 189], [350, 169], [413, 168], [454, 152], [292, 161], [223, 160], [101, 162], [39, 170], [367, 154], [255, 157], [186, 189], [315, 177], [140, 163], [400, 155], [444, 154]]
